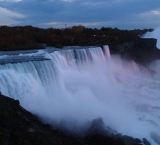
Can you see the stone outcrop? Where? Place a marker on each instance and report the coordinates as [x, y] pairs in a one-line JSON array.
[[20, 127], [142, 51]]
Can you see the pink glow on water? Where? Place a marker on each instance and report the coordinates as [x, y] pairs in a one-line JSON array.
[[107, 52]]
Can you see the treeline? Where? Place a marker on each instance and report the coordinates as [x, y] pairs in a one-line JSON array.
[[28, 37]]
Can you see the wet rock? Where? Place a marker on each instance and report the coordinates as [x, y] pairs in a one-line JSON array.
[[99, 139], [110, 130], [119, 135], [146, 142], [20, 127], [129, 140], [138, 141], [97, 126]]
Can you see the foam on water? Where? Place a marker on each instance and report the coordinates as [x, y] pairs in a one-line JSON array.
[[78, 85]]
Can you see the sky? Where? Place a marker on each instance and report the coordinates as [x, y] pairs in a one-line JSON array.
[[123, 14]]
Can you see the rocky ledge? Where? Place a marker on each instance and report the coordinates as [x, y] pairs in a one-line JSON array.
[[18, 126], [142, 51]]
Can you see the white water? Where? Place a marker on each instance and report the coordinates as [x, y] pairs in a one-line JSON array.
[[76, 86]]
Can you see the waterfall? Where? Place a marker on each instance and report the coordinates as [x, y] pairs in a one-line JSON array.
[[78, 85]]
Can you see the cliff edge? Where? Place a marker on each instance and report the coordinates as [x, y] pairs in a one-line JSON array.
[[142, 51]]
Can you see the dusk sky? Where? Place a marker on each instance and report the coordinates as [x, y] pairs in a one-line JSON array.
[[123, 14]]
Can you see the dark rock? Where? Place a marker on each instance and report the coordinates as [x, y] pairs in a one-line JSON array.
[[138, 140], [146, 43], [97, 126], [128, 140], [142, 51], [18, 126], [110, 130], [146, 142], [119, 135], [98, 139]]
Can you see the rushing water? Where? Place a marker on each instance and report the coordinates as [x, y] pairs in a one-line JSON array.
[[78, 85]]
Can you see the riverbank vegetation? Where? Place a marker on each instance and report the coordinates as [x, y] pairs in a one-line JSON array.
[[28, 37]]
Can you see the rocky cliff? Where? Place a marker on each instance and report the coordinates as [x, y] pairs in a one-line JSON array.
[[142, 51]]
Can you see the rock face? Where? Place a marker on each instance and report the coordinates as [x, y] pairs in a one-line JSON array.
[[142, 51], [20, 127], [145, 141]]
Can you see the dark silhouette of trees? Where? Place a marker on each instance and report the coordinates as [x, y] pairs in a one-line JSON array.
[[28, 37]]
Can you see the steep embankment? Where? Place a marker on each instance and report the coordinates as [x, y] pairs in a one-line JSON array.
[[19, 127]]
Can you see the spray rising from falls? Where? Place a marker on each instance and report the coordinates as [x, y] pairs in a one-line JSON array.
[[154, 34], [79, 85]]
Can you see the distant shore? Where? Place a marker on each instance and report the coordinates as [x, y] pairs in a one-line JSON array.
[[28, 37]]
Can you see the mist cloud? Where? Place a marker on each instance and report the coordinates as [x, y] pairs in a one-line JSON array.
[[119, 92], [154, 34]]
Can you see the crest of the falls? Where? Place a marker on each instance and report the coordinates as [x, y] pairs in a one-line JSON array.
[[78, 85]]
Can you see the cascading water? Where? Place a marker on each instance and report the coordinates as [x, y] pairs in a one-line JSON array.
[[79, 85]]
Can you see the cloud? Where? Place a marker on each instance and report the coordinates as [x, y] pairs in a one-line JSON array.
[[8, 17], [151, 17], [70, 24], [150, 13], [9, 13], [156, 12], [68, 0], [10, 0], [114, 13]]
